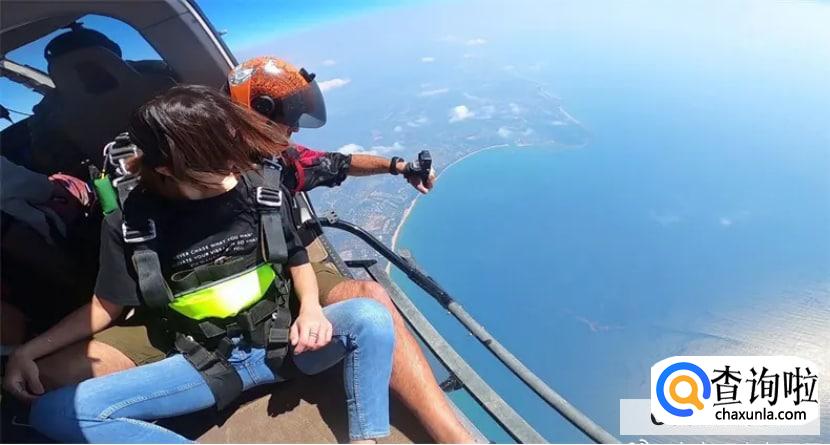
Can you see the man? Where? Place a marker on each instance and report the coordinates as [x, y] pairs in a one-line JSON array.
[[43, 220], [288, 97]]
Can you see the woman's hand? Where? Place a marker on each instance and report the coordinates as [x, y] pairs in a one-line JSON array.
[[311, 330], [22, 379]]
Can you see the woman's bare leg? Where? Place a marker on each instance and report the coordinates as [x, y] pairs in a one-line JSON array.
[[79, 362]]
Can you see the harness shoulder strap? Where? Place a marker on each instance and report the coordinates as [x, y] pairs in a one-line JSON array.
[[267, 196], [138, 229]]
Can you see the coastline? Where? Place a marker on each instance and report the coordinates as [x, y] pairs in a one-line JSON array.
[[406, 213], [411, 206]]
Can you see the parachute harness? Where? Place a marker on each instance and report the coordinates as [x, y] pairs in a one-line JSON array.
[[209, 305]]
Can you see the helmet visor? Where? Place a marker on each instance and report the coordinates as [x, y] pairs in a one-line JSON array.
[[305, 108]]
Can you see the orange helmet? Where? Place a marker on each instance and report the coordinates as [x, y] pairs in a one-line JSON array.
[[278, 91]]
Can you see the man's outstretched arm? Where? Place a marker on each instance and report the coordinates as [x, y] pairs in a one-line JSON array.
[[365, 165], [315, 168]]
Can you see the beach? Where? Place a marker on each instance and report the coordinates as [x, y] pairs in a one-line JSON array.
[[408, 210]]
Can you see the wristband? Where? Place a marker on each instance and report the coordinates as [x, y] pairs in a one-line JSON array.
[[393, 165]]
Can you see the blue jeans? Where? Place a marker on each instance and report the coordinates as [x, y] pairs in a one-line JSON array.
[[117, 407]]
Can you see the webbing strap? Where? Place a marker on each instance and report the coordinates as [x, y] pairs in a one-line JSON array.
[[277, 353], [222, 379], [250, 323], [273, 238], [123, 186], [210, 330], [266, 187], [196, 354], [200, 275], [254, 322], [139, 230], [151, 282]]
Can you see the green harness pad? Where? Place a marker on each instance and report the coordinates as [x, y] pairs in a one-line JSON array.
[[228, 297]]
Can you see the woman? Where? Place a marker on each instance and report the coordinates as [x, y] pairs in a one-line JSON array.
[[197, 151]]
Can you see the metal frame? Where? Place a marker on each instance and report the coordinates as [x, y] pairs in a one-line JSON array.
[[25, 75], [513, 423]]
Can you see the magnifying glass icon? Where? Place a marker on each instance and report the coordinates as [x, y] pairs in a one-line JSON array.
[[692, 398]]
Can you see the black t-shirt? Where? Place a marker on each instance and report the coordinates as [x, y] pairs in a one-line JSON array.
[[190, 233]]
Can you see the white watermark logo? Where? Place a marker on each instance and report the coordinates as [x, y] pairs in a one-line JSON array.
[[734, 390], [727, 395]]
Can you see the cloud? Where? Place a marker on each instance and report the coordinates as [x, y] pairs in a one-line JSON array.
[[428, 59], [504, 132], [329, 62], [665, 218], [332, 84], [729, 220], [351, 149], [476, 42], [474, 97], [460, 113], [384, 149], [515, 108], [398, 129], [487, 112], [596, 326], [418, 122], [568, 118], [434, 92]]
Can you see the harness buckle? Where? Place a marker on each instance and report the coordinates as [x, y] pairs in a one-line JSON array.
[[269, 197], [120, 150], [134, 235], [278, 337], [272, 163], [128, 181]]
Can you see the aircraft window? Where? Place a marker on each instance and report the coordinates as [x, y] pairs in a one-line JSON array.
[[102, 69], [132, 45], [11, 98]]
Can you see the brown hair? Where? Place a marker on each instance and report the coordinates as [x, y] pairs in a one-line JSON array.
[[195, 129]]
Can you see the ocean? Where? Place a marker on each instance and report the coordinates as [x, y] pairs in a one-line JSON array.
[[696, 221]]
